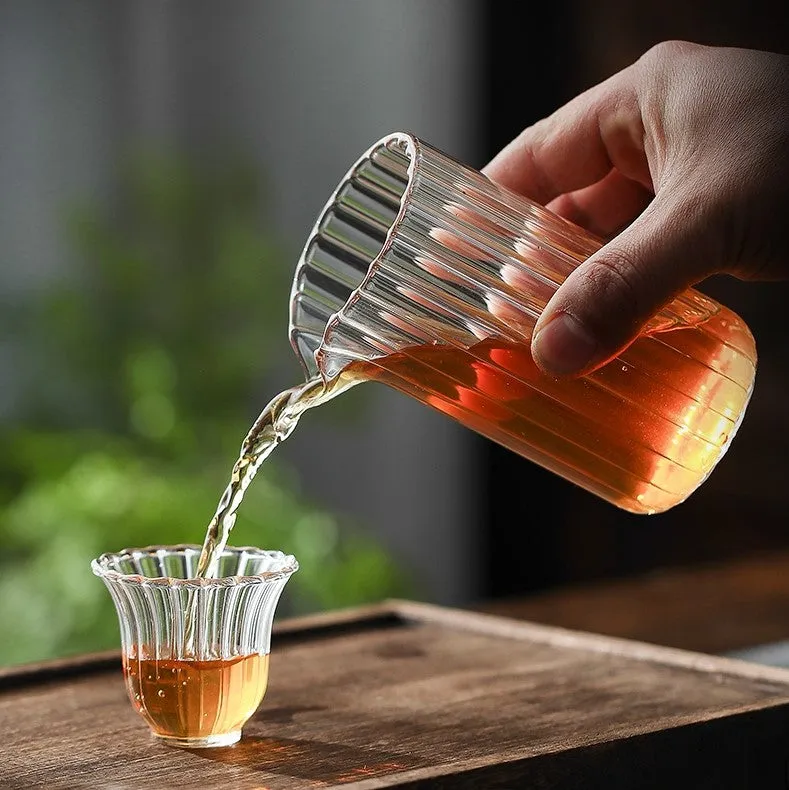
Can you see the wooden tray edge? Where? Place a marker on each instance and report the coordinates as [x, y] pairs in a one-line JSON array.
[[497, 625], [398, 611]]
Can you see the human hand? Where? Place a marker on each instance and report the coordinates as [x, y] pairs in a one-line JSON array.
[[681, 161]]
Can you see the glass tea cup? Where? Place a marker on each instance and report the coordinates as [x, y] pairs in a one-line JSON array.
[[195, 651], [422, 273]]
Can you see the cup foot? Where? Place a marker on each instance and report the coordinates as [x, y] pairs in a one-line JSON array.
[[209, 741]]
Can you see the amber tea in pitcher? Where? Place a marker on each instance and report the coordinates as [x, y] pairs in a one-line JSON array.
[[425, 275]]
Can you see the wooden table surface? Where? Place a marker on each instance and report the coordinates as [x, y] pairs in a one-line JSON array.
[[418, 697], [717, 608]]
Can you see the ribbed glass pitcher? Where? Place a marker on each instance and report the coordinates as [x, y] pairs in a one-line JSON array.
[[423, 274]]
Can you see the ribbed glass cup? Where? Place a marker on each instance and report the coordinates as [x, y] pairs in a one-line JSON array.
[[422, 273], [195, 651]]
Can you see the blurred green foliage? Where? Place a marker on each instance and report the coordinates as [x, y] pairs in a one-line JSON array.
[[145, 369]]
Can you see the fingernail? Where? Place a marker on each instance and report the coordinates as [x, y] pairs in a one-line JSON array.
[[563, 345]]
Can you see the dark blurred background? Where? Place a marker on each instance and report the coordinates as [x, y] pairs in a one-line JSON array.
[[160, 166], [741, 508]]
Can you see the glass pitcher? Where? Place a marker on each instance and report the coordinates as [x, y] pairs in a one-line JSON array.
[[423, 274]]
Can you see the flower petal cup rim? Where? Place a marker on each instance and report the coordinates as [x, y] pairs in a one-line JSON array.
[[105, 566]]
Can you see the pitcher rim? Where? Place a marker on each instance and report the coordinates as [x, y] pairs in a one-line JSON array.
[[413, 146]]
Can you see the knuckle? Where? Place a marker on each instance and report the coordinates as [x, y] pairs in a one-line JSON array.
[[667, 51], [613, 280], [543, 188]]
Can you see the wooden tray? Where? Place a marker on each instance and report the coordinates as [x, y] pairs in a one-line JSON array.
[[414, 696]]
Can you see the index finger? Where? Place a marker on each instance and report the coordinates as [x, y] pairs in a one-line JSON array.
[[578, 145]]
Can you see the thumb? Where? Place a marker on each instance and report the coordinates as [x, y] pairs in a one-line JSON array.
[[603, 305]]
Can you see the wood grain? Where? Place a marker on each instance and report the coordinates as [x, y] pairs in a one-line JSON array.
[[410, 695]]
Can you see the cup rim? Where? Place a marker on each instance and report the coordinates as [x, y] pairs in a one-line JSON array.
[[101, 567]]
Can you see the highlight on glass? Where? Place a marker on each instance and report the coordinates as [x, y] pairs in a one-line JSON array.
[[195, 650]]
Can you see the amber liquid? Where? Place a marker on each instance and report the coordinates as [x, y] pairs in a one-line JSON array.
[[643, 432], [641, 435], [190, 699]]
